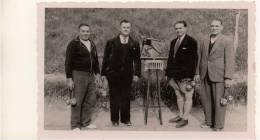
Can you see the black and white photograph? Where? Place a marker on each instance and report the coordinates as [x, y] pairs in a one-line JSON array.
[[151, 69]]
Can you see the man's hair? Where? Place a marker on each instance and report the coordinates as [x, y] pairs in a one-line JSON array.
[[181, 22], [219, 20], [83, 24], [124, 21]]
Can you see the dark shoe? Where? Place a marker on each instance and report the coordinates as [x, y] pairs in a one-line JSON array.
[[128, 123], [181, 123], [115, 124], [176, 119]]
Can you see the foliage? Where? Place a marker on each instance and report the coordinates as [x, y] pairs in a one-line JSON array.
[[55, 89], [61, 26]]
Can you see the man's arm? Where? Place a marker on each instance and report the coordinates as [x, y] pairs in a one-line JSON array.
[[68, 65], [169, 65], [137, 60], [68, 60], [229, 63], [229, 60], [96, 66], [106, 58]]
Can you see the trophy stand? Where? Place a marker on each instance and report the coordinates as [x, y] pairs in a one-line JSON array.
[[152, 65]]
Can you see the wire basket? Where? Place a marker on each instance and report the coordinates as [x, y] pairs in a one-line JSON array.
[[153, 65]]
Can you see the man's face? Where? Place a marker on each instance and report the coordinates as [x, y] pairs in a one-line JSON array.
[[180, 29], [216, 27], [84, 32], [125, 29]]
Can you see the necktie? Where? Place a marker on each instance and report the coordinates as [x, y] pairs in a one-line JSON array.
[[177, 45]]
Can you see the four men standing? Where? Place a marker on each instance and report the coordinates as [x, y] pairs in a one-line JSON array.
[[211, 63]]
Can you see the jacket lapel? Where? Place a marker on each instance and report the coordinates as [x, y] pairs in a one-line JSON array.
[[217, 43], [183, 42], [206, 46]]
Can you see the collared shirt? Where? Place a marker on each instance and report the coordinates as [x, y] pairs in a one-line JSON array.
[[181, 38], [87, 44], [124, 39], [177, 44]]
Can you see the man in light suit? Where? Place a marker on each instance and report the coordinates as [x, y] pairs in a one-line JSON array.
[[215, 69], [180, 71]]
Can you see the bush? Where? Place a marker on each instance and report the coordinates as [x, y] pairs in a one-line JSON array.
[[55, 88]]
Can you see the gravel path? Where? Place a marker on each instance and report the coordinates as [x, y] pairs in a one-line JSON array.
[[57, 117]]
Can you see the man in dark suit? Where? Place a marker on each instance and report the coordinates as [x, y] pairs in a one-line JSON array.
[[121, 65], [180, 71], [215, 69], [81, 66]]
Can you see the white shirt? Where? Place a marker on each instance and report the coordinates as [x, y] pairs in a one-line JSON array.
[[123, 39], [87, 44], [181, 38]]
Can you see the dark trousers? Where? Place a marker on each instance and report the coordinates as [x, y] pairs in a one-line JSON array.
[[84, 91], [120, 104], [211, 93]]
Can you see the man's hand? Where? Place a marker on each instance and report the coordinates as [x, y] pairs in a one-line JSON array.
[[103, 78], [228, 83], [196, 78], [70, 83], [136, 78]]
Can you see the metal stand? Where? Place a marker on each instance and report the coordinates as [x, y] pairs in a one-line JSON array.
[[150, 66]]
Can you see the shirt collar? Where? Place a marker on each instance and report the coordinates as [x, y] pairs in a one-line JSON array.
[[123, 37], [181, 38]]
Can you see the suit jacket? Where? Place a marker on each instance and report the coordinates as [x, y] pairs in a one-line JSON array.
[[219, 63], [183, 65], [120, 63]]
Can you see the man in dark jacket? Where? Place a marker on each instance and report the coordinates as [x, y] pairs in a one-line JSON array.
[[81, 65], [180, 71], [121, 65]]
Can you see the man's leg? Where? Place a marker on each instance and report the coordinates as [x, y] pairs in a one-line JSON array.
[[79, 92], [89, 103], [205, 96], [180, 100], [125, 104], [114, 104], [187, 104], [220, 111]]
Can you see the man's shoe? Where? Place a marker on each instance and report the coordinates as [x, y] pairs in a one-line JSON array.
[[217, 129], [205, 125], [181, 123], [115, 124], [76, 129], [176, 119], [91, 126], [128, 123]]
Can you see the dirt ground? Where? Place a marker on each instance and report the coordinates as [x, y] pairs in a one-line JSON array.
[[57, 117]]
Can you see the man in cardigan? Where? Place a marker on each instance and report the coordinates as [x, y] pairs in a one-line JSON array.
[[216, 62], [121, 65], [81, 66], [180, 71]]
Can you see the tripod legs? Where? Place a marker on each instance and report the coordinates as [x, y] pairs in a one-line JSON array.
[[158, 96]]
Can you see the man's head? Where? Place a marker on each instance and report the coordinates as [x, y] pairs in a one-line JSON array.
[[84, 31], [125, 27], [216, 27], [180, 28]]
